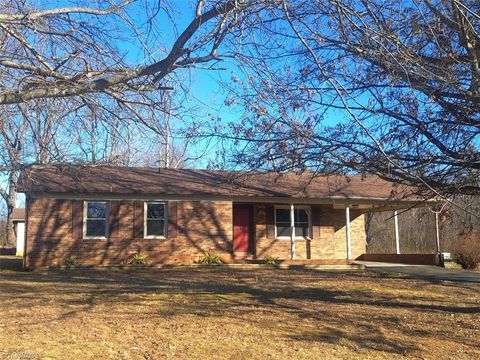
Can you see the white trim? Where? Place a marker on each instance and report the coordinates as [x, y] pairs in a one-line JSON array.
[[437, 232], [106, 219], [19, 227], [397, 233], [308, 208], [292, 230], [165, 220]]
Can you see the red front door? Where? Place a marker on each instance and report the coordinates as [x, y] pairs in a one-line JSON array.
[[241, 229]]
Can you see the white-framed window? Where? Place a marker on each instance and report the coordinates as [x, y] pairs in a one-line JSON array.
[[95, 220], [302, 222], [155, 220]]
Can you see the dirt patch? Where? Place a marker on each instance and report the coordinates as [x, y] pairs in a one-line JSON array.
[[223, 313]]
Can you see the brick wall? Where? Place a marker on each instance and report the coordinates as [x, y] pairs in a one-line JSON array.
[[195, 227], [328, 234], [200, 226]]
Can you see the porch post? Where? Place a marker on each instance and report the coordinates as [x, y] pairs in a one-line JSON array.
[[292, 231], [437, 233], [347, 228], [397, 234]]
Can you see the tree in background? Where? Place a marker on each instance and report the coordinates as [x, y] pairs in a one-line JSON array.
[[29, 133], [417, 228], [12, 130], [93, 130]]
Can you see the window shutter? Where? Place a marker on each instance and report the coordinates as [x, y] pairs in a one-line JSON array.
[[114, 219], [270, 219], [316, 222], [172, 219], [77, 219], [138, 220]]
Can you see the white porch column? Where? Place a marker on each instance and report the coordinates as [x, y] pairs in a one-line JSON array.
[[292, 232], [347, 230], [397, 234], [437, 232]]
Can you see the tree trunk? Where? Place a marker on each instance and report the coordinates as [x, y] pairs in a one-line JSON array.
[[11, 201]]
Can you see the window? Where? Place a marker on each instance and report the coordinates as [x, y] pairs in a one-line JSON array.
[[155, 216], [282, 222], [95, 214]]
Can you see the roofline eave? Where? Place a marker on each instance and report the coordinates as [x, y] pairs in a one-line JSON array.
[[330, 200]]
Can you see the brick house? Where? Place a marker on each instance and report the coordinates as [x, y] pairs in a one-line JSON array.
[[102, 214]]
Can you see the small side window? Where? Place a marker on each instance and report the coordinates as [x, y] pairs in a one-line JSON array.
[[155, 220], [95, 220]]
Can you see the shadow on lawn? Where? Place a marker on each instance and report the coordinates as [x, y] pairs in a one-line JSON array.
[[117, 282], [239, 295], [11, 262], [362, 338]]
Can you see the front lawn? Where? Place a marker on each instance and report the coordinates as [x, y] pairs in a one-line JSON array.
[[224, 313]]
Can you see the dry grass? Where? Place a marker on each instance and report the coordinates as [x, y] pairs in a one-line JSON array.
[[223, 313], [455, 266]]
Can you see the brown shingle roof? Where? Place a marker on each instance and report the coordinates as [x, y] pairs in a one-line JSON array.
[[82, 179], [18, 214]]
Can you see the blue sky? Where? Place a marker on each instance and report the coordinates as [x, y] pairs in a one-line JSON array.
[[205, 94]]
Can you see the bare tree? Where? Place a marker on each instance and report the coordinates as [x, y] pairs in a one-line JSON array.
[[46, 120], [12, 130], [29, 133], [382, 86], [93, 129], [65, 52]]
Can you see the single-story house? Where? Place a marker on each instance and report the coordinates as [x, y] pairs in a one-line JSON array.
[[104, 214], [18, 218]]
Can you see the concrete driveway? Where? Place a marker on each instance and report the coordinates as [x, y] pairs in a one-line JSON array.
[[427, 272]]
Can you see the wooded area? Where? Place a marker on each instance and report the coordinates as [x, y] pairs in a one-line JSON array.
[[417, 228]]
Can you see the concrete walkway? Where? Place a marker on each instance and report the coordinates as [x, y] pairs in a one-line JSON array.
[[427, 272]]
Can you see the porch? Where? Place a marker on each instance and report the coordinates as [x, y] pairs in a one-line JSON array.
[[312, 233], [303, 233]]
